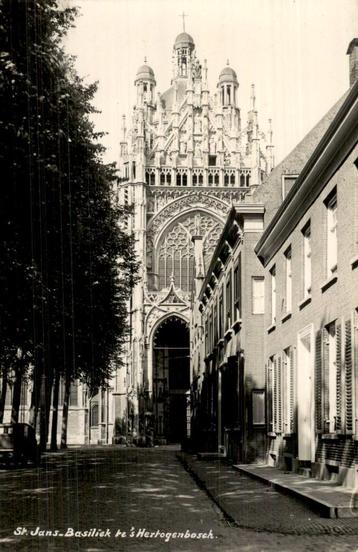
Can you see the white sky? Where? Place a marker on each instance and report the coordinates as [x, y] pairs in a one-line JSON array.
[[293, 50]]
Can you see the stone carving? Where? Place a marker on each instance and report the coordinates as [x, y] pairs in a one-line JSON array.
[[200, 199], [157, 312]]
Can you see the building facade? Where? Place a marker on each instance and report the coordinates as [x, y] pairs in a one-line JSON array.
[[185, 159], [309, 250], [228, 378]]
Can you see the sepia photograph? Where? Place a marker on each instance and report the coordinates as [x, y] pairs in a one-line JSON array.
[[179, 275]]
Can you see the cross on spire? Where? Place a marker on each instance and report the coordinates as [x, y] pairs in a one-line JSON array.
[[183, 15]]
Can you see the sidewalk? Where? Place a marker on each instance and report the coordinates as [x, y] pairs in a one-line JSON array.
[[249, 503], [326, 497]]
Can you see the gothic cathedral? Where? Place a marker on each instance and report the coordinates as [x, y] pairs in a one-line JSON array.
[[185, 160]]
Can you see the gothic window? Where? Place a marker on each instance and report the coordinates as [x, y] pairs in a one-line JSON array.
[[175, 254], [176, 258]]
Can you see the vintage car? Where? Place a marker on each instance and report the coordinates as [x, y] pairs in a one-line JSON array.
[[18, 444]]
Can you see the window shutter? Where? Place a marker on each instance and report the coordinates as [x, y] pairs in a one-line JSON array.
[[274, 385], [269, 398], [278, 394], [325, 381], [318, 382], [338, 424], [348, 361], [355, 367], [292, 420]]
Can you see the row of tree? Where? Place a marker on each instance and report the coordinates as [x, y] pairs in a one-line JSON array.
[[66, 266]]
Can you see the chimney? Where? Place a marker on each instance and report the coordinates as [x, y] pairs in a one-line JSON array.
[[353, 61]]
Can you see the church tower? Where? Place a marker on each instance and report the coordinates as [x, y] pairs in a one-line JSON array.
[[184, 160]]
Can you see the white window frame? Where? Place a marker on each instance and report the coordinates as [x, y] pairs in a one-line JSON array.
[[307, 260], [288, 389], [258, 299], [331, 249], [284, 178], [332, 375], [288, 269], [273, 294]]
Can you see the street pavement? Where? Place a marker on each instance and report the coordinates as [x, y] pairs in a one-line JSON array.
[[111, 498]]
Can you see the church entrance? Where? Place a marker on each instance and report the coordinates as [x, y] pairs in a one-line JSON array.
[[171, 380]]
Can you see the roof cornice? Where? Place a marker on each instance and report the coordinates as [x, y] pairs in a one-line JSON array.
[[320, 167], [236, 211]]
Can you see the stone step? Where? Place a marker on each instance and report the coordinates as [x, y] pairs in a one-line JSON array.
[[326, 497]]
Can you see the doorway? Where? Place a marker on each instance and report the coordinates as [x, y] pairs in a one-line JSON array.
[[305, 410], [171, 379]]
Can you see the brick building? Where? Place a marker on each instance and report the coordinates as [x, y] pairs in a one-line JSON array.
[[228, 379], [310, 253]]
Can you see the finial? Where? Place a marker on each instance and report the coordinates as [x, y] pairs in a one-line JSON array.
[[270, 130], [172, 280], [227, 61], [183, 15], [145, 59], [253, 97], [124, 130]]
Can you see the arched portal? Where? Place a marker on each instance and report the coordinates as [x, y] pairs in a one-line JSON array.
[[171, 379]]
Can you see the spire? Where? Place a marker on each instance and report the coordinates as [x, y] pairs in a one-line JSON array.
[[124, 129], [253, 97], [270, 131]]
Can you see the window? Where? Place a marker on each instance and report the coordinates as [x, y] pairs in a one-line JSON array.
[[288, 263], [258, 407], [237, 289], [212, 160], [74, 394], [330, 371], [228, 303], [206, 337], [331, 205], [288, 181], [274, 395], [221, 316], [307, 268], [289, 400], [258, 295], [273, 294], [94, 415], [23, 397], [215, 324], [103, 405]]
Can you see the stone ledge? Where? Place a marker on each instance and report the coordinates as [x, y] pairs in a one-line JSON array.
[[329, 499]]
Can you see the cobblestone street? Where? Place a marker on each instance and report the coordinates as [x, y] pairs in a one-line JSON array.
[[131, 490]]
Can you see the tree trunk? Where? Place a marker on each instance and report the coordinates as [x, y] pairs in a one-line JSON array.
[[36, 391], [56, 393], [45, 409], [66, 401], [16, 397], [3, 393]]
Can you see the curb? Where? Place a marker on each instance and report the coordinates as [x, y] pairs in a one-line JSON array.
[[313, 529]]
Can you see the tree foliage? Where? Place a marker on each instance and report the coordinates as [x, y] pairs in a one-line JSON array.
[[66, 266]]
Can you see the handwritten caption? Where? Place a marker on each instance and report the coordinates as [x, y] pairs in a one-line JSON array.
[[134, 533]]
